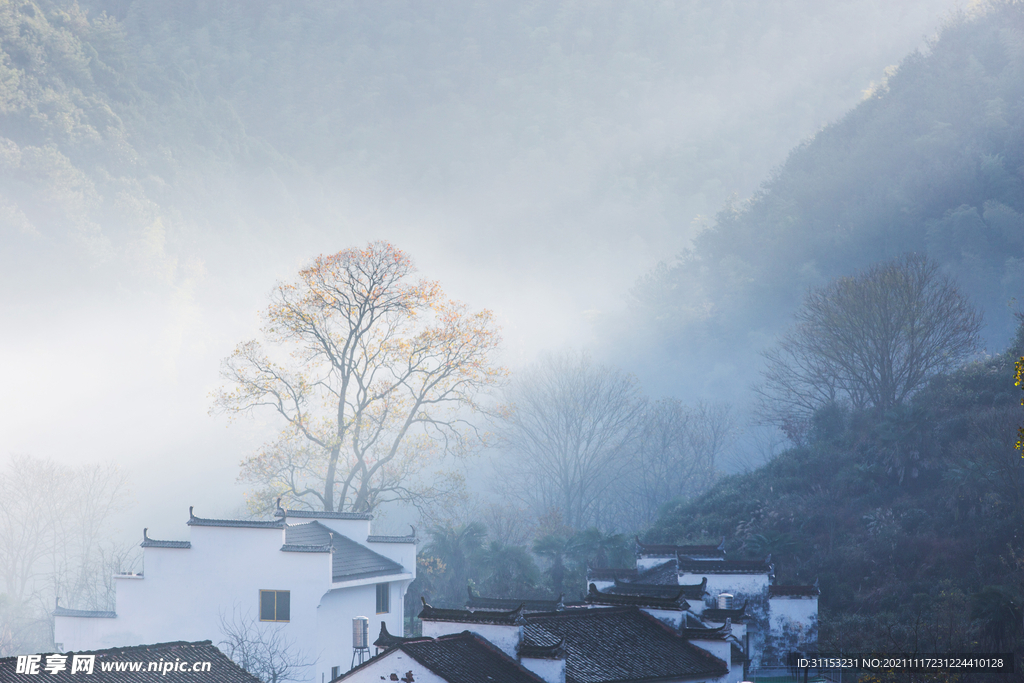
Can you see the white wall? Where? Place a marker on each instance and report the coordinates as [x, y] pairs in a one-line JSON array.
[[185, 594], [398, 663], [402, 553], [671, 617], [505, 638], [729, 583], [719, 648], [334, 623], [643, 563], [793, 622], [551, 670]]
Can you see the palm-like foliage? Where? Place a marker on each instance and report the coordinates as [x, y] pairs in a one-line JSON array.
[[456, 551]]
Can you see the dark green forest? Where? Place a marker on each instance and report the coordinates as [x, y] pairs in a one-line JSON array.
[[910, 519]]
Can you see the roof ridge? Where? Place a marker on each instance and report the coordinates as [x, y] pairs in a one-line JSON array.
[[488, 645], [241, 523]]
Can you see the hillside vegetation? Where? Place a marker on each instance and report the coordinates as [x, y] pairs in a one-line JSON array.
[[911, 519], [932, 161]]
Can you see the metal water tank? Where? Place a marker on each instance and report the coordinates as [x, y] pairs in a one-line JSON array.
[[725, 601], [360, 633]]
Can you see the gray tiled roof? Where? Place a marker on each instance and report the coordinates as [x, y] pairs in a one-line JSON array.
[[460, 658], [148, 542], [222, 669], [391, 539], [246, 523], [293, 548], [350, 560], [621, 644], [705, 633], [672, 602], [95, 614], [690, 591], [720, 615], [664, 574], [321, 514], [462, 616], [724, 566]]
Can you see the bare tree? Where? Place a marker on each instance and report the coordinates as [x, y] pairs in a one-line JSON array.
[[262, 648], [54, 543], [569, 430], [380, 374], [869, 340], [675, 456]]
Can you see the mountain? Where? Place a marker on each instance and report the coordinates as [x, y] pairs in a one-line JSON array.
[[932, 161], [911, 519]]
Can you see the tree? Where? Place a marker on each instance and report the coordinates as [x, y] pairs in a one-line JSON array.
[[509, 571], [1018, 381], [262, 649], [674, 457], [54, 545], [569, 426], [455, 552], [870, 340], [380, 373]]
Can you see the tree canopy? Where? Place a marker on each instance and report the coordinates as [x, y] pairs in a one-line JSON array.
[[379, 373], [872, 339]]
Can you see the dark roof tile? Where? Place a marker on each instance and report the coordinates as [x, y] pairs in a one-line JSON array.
[[664, 574], [720, 615], [148, 542], [391, 539], [665, 602], [321, 514], [246, 523], [620, 644], [350, 560], [461, 616], [459, 658]]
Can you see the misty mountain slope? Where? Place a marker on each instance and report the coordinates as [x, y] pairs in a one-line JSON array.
[[103, 158], [570, 122], [897, 515], [932, 161]]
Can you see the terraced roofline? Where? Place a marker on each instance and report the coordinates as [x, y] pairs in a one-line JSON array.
[[462, 616], [674, 603], [148, 542], [240, 523]]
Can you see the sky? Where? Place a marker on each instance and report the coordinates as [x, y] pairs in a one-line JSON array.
[[537, 172]]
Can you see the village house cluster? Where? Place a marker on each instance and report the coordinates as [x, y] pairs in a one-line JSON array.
[[685, 613]]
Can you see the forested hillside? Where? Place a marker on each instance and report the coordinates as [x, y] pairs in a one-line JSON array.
[[911, 519], [931, 162]]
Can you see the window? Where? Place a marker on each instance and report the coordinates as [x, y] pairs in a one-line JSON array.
[[275, 606], [335, 672], [383, 598]]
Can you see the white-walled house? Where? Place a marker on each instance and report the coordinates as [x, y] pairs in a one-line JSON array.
[[592, 643], [305, 574], [770, 620]]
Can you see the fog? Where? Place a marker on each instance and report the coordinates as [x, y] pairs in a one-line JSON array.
[[535, 160]]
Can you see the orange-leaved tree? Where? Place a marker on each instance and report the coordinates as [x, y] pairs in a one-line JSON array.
[[380, 375], [1019, 377]]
